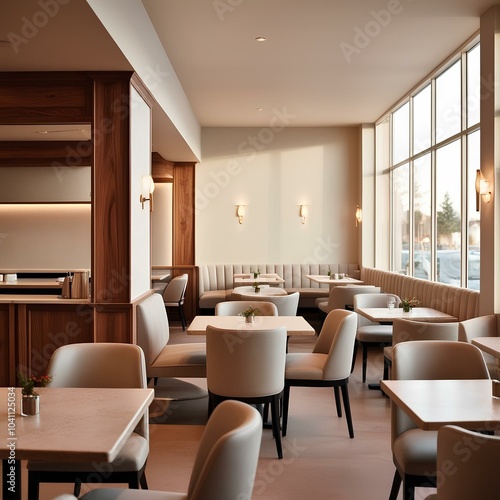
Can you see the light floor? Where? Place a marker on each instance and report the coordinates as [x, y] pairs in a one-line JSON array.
[[320, 461]]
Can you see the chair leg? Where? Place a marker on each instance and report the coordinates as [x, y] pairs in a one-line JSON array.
[[385, 376], [33, 486], [143, 481], [365, 361], [286, 398], [337, 400], [182, 317], [275, 416], [396, 484], [77, 488], [408, 491], [347, 407], [354, 354]]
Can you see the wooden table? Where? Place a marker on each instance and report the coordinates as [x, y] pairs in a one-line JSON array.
[[159, 274], [295, 325], [31, 283], [325, 280], [434, 403], [491, 345], [80, 425], [270, 290], [386, 315], [269, 279]]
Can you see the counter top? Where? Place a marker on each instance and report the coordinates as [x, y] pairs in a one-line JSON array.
[[38, 299]]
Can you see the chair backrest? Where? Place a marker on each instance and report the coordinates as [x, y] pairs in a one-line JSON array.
[[372, 300], [246, 364], [467, 464], [287, 304], [433, 360], [100, 364], [336, 338], [226, 462], [176, 289], [153, 330], [404, 330], [235, 307], [342, 296]]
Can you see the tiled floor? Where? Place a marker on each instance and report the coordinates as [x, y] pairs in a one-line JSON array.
[[320, 461]]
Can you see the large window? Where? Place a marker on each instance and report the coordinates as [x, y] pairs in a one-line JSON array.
[[434, 145]]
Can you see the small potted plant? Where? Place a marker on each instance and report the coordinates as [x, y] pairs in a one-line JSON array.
[[329, 273], [409, 304], [256, 287], [256, 274], [30, 402], [250, 313]]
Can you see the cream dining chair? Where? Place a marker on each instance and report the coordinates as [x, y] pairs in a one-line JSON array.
[[342, 297], [414, 451], [97, 365], [174, 294], [235, 307], [468, 465], [248, 368], [371, 334], [225, 464], [287, 304], [329, 364]]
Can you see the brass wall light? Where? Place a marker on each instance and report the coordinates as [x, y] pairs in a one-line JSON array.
[[303, 213], [358, 215], [482, 189], [240, 213], [148, 186]]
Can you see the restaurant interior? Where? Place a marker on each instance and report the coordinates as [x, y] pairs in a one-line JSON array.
[[169, 167]]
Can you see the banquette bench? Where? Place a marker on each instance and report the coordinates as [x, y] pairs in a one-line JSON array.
[[216, 280], [461, 303]]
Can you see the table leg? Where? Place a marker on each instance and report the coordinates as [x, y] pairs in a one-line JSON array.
[[11, 479]]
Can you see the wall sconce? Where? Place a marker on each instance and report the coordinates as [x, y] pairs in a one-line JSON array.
[[482, 188], [240, 212], [303, 213], [148, 186], [359, 215]]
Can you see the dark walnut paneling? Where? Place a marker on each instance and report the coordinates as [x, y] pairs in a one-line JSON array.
[[42, 328], [6, 343], [45, 97]]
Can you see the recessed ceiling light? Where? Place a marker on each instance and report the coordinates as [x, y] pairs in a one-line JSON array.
[[261, 39]]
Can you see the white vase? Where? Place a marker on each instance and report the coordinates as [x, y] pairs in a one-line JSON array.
[[249, 319]]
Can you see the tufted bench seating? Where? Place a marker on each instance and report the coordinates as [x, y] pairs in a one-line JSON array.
[[216, 280], [459, 302]]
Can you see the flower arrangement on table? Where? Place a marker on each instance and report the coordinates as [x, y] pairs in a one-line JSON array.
[[250, 313], [28, 384], [409, 304], [256, 286], [256, 274]]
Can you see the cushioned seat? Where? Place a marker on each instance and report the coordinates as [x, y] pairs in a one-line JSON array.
[[164, 359]]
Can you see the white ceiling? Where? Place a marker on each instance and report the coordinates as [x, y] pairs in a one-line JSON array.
[[301, 70]]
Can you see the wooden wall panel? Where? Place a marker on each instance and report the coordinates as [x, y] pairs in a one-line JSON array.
[[45, 97], [44, 328], [113, 323], [111, 191], [183, 215], [6, 347]]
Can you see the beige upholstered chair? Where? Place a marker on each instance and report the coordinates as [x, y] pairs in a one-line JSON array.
[[235, 307], [287, 304], [414, 450], [370, 334], [329, 364], [468, 463], [174, 293], [404, 330], [342, 297], [249, 368], [164, 359], [482, 326], [97, 365], [225, 465]]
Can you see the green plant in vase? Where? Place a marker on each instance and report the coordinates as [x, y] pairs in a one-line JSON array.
[[250, 313], [256, 287], [409, 304]]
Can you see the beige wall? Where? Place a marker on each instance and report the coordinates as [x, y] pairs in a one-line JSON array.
[[273, 171]]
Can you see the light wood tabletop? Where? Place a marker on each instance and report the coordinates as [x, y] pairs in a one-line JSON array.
[[386, 315], [491, 345], [295, 325], [74, 424], [326, 280], [434, 403]]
